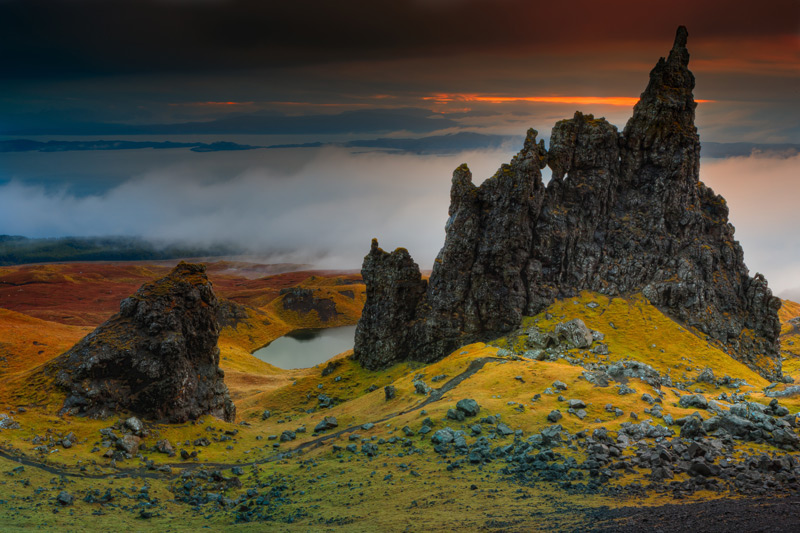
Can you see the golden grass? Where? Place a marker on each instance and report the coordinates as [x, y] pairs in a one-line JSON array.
[[337, 487]]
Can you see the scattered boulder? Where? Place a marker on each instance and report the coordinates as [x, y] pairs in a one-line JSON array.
[[129, 444], [420, 387], [706, 376], [7, 422], [164, 446], [443, 436], [574, 332], [540, 339], [65, 498], [576, 404], [135, 425], [503, 430], [389, 392], [692, 427], [468, 406], [455, 414], [693, 400], [329, 422]]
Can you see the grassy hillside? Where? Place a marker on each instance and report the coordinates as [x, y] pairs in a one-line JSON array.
[[396, 477]]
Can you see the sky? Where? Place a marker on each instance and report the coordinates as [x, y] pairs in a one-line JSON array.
[[266, 73]]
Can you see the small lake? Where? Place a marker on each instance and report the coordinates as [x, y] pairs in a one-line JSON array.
[[307, 347]]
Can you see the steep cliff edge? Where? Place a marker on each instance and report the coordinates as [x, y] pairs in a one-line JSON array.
[[158, 357], [623, 213]]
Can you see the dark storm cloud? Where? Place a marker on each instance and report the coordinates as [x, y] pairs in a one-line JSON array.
[[359, 121], [88, 37]]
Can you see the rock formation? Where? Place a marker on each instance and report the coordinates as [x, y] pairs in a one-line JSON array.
[[157, 358], [623, 213]]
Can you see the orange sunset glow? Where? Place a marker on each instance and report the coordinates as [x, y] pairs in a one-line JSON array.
[[625, 101], [201, 104]]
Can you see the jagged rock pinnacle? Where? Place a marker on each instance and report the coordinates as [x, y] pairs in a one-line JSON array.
[[157, 358], [624, 213]]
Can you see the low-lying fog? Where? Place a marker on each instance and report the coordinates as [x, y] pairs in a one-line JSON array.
[[328, 202]]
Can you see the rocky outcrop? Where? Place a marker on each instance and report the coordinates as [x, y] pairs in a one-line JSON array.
[[623, 213], [157, 358], [302, 300], [395, 286]]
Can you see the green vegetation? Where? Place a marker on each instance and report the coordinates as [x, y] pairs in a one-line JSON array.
[[244, 475]]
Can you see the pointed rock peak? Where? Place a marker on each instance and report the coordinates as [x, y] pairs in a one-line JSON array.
[[532, 153], [671, 82], [530, 139], [462, 185], [462, 173], [379, 254], [679, 56], [375, 247], [680, 38]]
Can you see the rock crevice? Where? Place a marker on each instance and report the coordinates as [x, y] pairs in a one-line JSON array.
[[623, 213]]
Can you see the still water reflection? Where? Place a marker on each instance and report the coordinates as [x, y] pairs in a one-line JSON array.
[[307, 347]]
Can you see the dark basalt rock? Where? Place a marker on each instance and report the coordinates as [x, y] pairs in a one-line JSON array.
[[623, 213], [303, 301], [157, 358], [395, 287]]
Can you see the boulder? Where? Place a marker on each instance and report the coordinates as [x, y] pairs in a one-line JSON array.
[[65, 498], [468, 406], [693, 400], [129, 444], [443, 436], [329, 422], [574, 332]]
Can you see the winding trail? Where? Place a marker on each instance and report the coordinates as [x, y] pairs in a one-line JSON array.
[[434, 396]]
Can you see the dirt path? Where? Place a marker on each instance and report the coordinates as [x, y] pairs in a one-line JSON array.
[[435, 395]]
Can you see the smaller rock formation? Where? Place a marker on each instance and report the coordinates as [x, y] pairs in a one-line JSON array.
[[157, 358], [303, 301]]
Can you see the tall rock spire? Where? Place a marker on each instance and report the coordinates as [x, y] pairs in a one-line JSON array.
[[623, 213]]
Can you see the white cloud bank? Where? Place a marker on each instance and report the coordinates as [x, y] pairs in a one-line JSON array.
[[335, 201], [763, 194], [307, 200]]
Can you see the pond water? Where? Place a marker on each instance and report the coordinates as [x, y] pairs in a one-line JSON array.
[[307, 347]]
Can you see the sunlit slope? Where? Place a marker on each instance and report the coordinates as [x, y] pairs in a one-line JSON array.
[[25, 344], [789, 314], [322, 484], [507, 383]]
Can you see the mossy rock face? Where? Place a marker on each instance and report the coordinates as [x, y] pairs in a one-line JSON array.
[[158, 357]]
